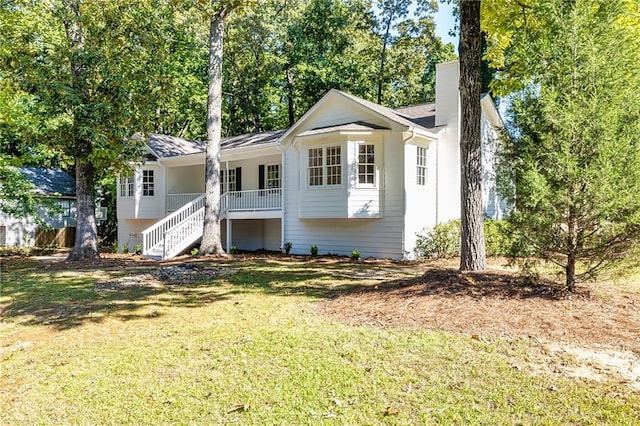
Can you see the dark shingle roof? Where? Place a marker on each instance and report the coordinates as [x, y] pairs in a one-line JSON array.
[[423, 115], [170, 146], [259, 138], [420, 115], [50, 182]]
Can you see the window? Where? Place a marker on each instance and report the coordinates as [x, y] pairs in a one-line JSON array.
[[325, 162], [147, 183], [315, 167], [227, 180], [366, 164], [334, 166], [126, 186], [421, 166], [272, 178], [65, 206]]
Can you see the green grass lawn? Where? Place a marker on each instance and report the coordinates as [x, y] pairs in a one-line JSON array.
[[251, 348]]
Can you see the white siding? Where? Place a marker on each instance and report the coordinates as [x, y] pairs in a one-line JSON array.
[[130, 232], [18, 232], [494, 206], [372, 237], [144, 207], [421, 199], [150, 207]]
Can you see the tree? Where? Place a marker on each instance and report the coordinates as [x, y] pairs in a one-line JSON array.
[[576, 150], [211, 241], [83, 73], [472, 250], [393, 13]]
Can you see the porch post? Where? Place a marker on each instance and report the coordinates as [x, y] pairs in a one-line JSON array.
[[228, 236]]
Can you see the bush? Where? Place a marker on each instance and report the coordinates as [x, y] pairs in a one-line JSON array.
[[496, 237], [287, 247], [355, 255], [234, 250], [442, 241], [137, 249], [314, 251], [194, 251]]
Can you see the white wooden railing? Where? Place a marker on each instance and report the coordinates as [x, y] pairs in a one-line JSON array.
[[154, 235], [175, 201], [184, 226], [183, 235], [251, 201]]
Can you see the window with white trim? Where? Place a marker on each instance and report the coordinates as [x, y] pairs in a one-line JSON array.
[[366, 164], [227, 180], [65, 206], [272, 178], [126, 185], [148, 185], [421, 166], [325, 166]]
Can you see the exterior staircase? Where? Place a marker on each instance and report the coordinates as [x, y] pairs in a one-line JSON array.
[[175, 233], [182, 228]]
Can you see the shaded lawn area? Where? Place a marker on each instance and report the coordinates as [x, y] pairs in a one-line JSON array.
[[271, 341]]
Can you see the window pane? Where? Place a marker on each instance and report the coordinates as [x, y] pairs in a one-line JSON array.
[[315, 167], [334, 165], [147, 183], [366, 164], [421, 166], [273, 176]]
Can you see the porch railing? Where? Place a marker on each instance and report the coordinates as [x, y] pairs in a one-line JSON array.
[[154, 235], [251, 201]]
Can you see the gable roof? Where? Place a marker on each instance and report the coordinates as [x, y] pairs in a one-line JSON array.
[[421, 117], [50, 182]]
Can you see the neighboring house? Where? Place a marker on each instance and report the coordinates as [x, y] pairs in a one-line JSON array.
[[55, 185], [349, 175]]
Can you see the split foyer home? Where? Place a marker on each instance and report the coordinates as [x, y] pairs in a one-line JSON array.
[[57, 227], [348, 175]]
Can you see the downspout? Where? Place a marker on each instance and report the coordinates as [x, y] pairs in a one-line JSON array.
[[404, 187]]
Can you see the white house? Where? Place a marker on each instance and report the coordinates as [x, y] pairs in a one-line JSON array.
[[58, 187], [349, 175]]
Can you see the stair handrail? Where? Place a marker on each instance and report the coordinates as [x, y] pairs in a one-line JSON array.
[[183, 234], [154, 235]]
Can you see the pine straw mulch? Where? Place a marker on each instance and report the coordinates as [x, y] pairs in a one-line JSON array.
[[496, 303]]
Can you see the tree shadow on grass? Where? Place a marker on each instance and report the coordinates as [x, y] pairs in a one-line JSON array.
[[68, 298]]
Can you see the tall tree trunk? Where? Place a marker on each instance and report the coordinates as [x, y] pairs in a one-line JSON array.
[[86, 242], [211, 240], [472, 255], [383, 56]]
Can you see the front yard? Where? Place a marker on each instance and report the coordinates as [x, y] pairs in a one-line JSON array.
[[286, 340]]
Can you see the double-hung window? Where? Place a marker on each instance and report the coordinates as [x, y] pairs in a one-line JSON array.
[[421, 166], [148, 184], [325, 166], [126, 185], [366, 164], [272, 178]]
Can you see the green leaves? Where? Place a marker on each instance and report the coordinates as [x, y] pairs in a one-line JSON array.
[[576, 154]]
